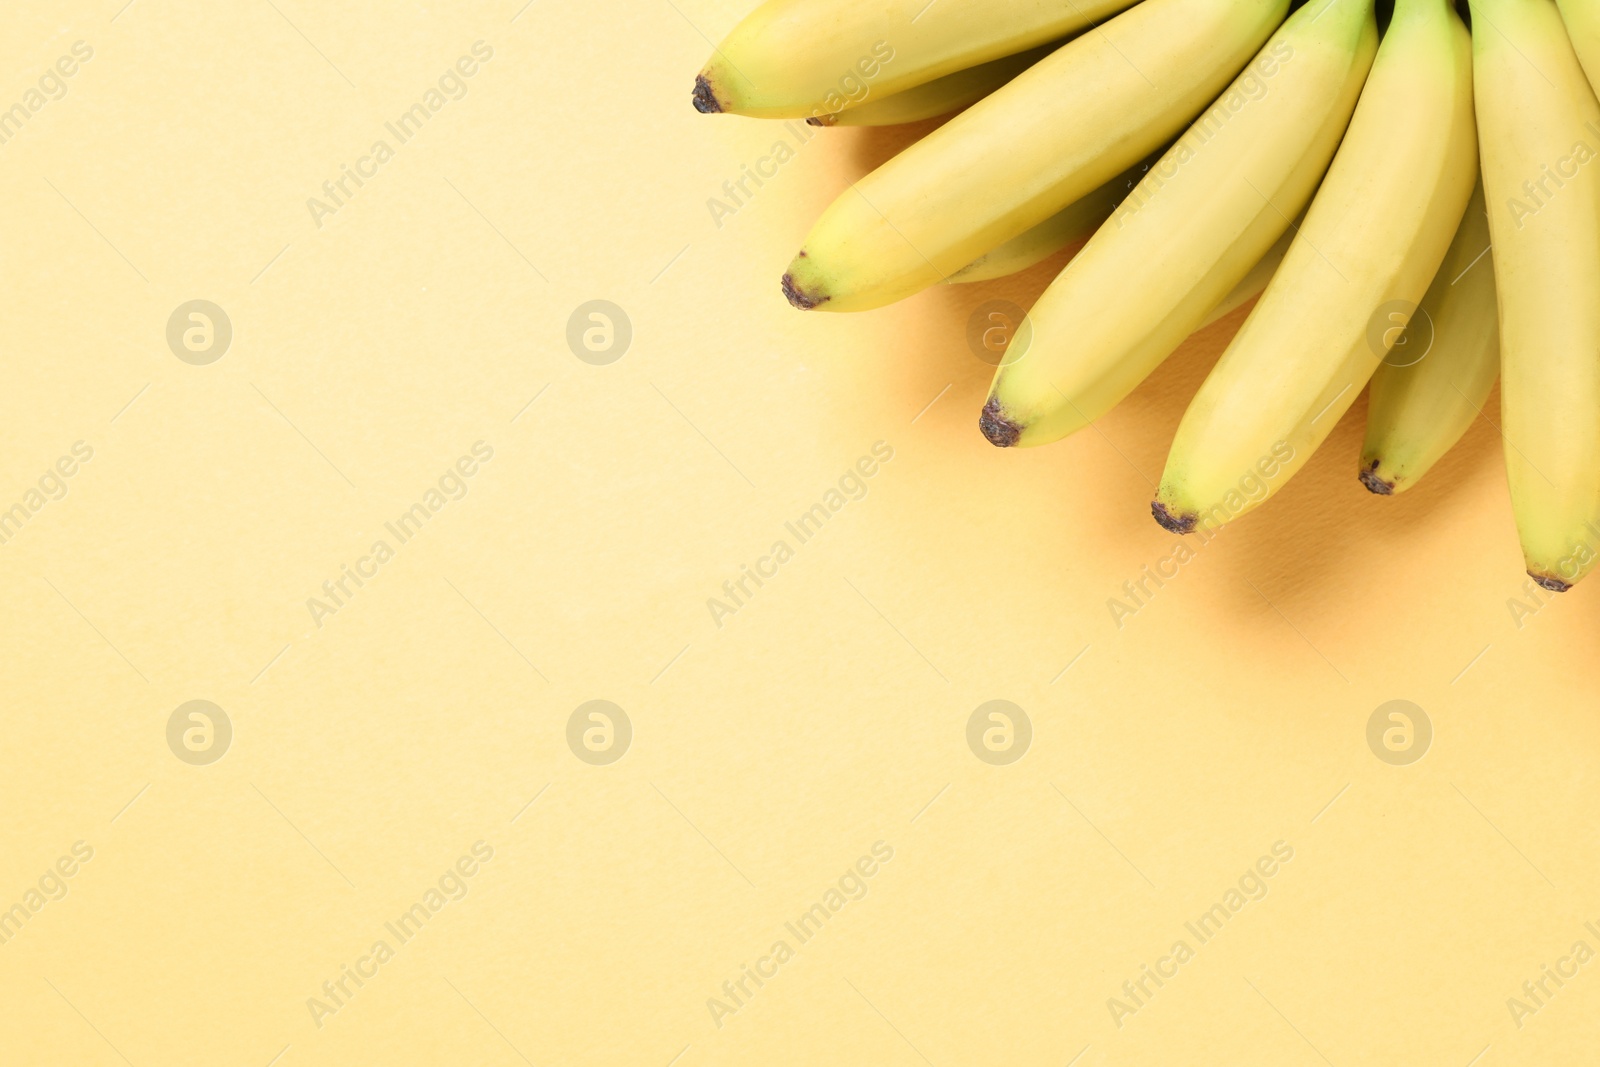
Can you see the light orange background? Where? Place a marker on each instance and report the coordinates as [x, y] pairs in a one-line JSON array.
[[373, 747]]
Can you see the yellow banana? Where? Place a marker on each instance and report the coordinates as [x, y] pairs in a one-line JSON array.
[[1373, 239], [804, 58], [1541, 177], [1074, 227], [1062, 128], [1582, 19], [1069, 227], [1435, 380], [1253, 283], [938, 97], [1191, 232]]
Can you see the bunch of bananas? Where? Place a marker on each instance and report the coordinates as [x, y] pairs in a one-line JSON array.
[[1195, 153]]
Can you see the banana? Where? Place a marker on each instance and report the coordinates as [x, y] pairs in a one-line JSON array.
[[1067, 228], [1254, 282], [1191, 232], [1373, 240], [1419, 403], [1074, 226], [1541, 177], [938, 97], [1062, 128], [1582, 19], [805, 58]]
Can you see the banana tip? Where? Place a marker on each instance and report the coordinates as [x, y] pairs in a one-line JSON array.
[[800, 297], [822, 120], [1546, 581], [1173, 521], [997, 427], [705, 100], [1375, 484]]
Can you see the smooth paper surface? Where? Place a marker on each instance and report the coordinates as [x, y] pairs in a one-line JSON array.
[[310, 416]]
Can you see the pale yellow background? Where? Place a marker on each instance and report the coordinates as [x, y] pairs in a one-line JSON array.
[[829, 713]]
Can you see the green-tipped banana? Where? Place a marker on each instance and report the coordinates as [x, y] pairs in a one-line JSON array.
[[1191, 232], [1065, 126], [1437, 377], [1068, 228], [807, 58], [1372, 241], [938, 97], [1541, 177]]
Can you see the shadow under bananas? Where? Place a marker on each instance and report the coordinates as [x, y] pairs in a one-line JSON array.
[[1323, 530], [870, 147], [1321, 539]]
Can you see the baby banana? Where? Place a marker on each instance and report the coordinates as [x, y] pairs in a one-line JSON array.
[[1422, 399], [1064, 127], [1191, 232], [804, 58], [1373, 239], [1541, 178]]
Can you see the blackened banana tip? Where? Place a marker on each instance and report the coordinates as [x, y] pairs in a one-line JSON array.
[[705, 101], [1000, 430], [1171, 521], [1375, 484], [1546, 581], [799, 297]]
